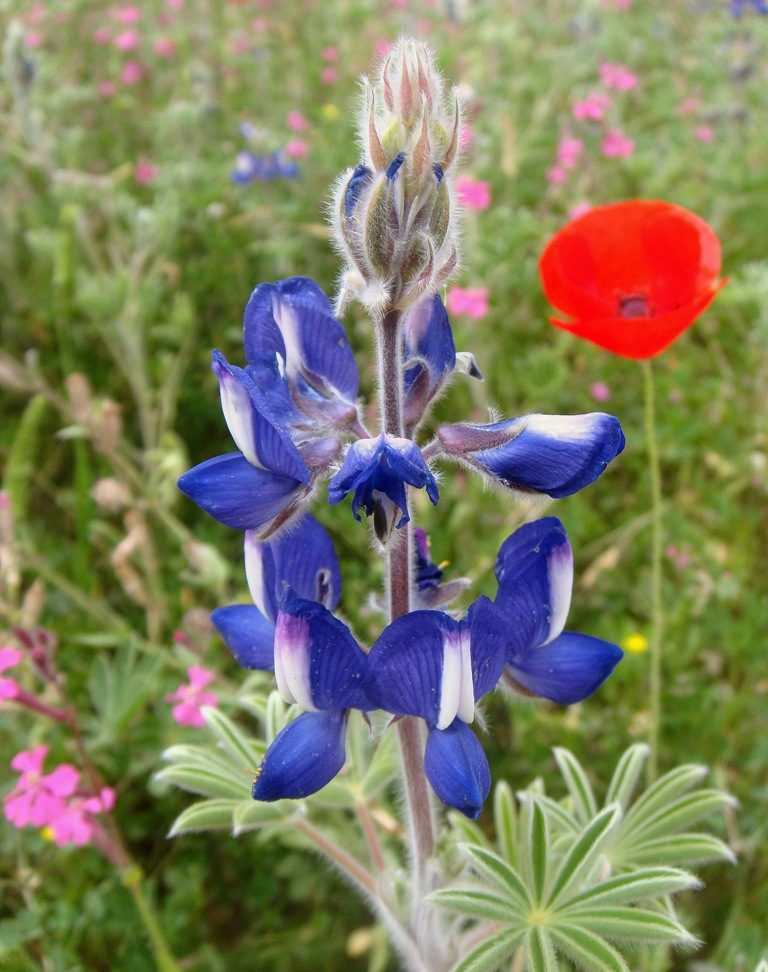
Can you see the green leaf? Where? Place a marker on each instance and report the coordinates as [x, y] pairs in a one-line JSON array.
[[205, 815], [558, 816], [581, 859], [243, 750], [479, 904], [538, 849], [502, 874], [629, 888], [490, 954], [658, 796], [634, 925], [277, 716], [21, 466], [336, 794], [206, 782], [584, 803], [685, 811], [627, 773], [505, 820], [253, 814], [678, 849], [587, 950], [540, 951], [382, 768]]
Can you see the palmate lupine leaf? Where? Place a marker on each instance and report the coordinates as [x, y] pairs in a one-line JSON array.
[[678, 849], [242, 748], [640, 885], [205, 815], [584, 855], [488, 905], [631, 925], [490, 955], [505, 877], [537, 844], [589, 951], [201, 771], [579, 788], [505, 821], [627, 775], [540, 951]]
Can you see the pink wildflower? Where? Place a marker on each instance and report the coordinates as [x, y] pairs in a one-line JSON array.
[[35, 14], [101, 35], [331, 54], [132, 72], [689, 106], [579, 209], [260, 25], [190, 698], [329, 74], [38, 799], [297, 148], [128, 40], [34, 39], [600, 391], [107, 89], [617, 76], [593, 107], [568, 151], [706, 134], [381, 47], [615, 145], [472, 301], [75, 823], [473, 193], [8, 658], [557, 175], [296, 121], [175, 4], [129, 15], [164, 47], [144, 172]]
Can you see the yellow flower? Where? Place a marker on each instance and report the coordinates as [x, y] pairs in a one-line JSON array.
[[330, 112], [46, 833], [635, 643]]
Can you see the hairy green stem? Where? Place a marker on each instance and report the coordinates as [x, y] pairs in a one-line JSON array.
[[657, 610], [132, 880]]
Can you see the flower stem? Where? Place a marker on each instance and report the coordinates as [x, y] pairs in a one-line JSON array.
[[657, 610], [131, 878]]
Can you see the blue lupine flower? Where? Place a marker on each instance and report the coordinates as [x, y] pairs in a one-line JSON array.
[[299, 355], [303, 560], [739, 6], [253, 167], [377, 470], [259, 487], [535, 574], [429, 356], [430, 591], [319, 666], [426, 664], [552, 454]]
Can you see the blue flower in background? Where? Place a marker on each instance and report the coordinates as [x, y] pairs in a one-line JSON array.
[[535, 574], [303, 560], [264, 167], [739, 6], [377, 471], [319, 666], [552, 454]]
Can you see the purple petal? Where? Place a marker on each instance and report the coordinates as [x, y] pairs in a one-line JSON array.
[[238, 494], [248, 635], [457, 769], [552, 454], [567, 670], [488, 638], [430, 355], [303, 757]]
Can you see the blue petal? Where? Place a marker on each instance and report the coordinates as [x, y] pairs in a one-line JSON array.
[[456, 766], [488, 640], [534, 569], [293, 322], [248, 635], [238, 494], [552, 454], [430, 355], [305, 560], [427, 573], [566, 670], [303, 757], [317, 661], [360, 178]]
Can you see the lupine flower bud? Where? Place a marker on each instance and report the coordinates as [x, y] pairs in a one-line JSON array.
[[393, 213]]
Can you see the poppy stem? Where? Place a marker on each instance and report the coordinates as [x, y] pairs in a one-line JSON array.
[[657, 610]]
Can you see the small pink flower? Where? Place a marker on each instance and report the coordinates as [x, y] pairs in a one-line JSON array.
[[465, 136], [689, 106], [296, 121], [101, 35], [75, 823], [34, 39], [37, 799], [473, 193], [472, 301], [593, 108], [399, 4], [129, 15], [615, 145], [190, 698], [8, 658], [107, 89], [164, 47], [331, 54], [600, 391], [382, 47], [144, 172], [35, 14], [557, 175], [297, 148], [175, 4], [706, 134], [132, 72], [260, 25], [617, 76], [329, 74], [128, 40], [579, 209], [568, 151]]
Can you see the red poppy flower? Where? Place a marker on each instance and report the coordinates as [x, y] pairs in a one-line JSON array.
[[633, 275]]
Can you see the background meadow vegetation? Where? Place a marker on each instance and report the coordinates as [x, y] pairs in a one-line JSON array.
[[128, 251]]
